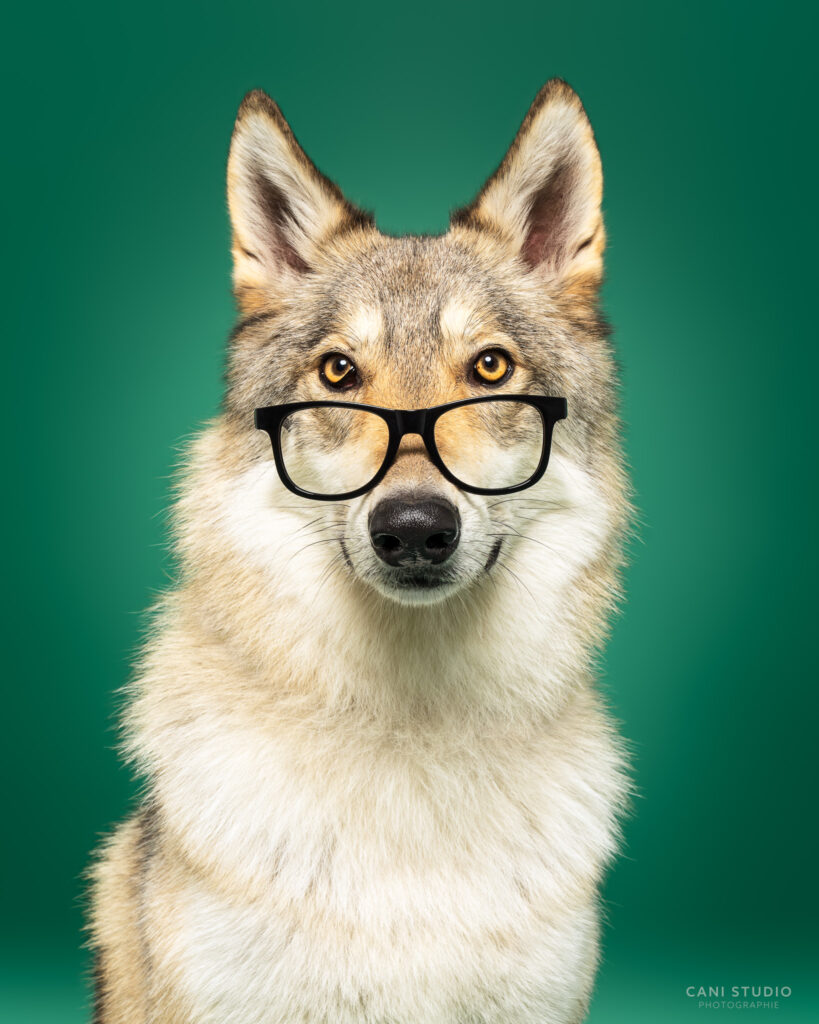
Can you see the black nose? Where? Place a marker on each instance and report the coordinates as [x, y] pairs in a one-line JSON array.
[[406, 532]]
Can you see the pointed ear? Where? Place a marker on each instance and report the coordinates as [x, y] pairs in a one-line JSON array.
[[544, 199], [281, 208]]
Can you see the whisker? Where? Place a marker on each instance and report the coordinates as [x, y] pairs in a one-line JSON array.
[[500, 562], [332, 566], [301, 550], [533, 519], [306, 526], [320, 529], [525, 536], [529, 501], [328, 505]]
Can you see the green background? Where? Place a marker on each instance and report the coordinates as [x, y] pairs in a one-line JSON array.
[[116, 308]]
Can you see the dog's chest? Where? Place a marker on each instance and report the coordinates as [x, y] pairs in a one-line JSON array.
[[384, 891], [439, 950]]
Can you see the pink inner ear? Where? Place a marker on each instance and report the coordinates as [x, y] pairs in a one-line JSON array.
[[291, 257], [278, 216], [547, 228], [534, 247]]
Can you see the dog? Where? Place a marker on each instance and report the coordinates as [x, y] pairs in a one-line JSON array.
[[379, 784]]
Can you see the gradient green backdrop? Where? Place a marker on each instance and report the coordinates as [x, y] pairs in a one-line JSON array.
[[117, 305]]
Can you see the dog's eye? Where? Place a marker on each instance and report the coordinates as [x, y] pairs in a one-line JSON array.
[[337, 371], [492, 366]]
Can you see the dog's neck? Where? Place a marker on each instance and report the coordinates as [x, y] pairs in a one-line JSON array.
[[489, 652]]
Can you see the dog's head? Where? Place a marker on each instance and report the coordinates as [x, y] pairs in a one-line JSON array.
[[504, 303]]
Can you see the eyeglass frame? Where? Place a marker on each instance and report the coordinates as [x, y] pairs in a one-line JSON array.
[[401, 422]]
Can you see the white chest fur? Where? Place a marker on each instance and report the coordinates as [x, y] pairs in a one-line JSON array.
[[371, 879]]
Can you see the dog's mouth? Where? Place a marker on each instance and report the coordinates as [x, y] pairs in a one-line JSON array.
[[421, 584], [493, 554], [413, 585], [415, 580]]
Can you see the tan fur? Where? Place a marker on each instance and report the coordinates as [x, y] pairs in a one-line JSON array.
[[366, 806]]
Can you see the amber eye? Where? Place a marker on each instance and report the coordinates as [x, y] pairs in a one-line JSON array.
[[337, 371], [492, 366]]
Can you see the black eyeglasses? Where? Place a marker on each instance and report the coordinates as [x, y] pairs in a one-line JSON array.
[[337, 450]]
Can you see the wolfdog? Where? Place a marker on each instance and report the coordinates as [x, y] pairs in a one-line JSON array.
[[380, 786]]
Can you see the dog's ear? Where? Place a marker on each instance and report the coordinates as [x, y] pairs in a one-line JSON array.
[[281, 207], [544, 199]]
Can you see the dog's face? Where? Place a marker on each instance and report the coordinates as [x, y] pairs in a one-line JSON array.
[[504, 303]]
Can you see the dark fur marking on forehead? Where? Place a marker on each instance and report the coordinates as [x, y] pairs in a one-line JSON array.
[[409, 279], [294, 330], [250, 321]]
